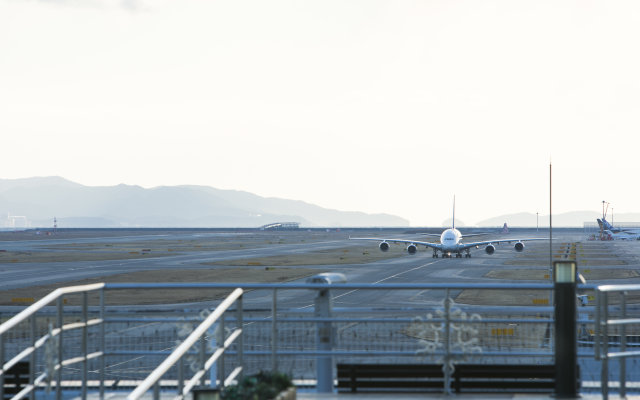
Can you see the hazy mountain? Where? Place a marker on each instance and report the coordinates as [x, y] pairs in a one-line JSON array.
[[74, 205]]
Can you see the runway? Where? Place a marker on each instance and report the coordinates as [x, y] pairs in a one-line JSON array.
[[600, 262]]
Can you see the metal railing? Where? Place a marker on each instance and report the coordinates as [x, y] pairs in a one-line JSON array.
[[198, 334], [615, 324], [54, 335], [114, 344]]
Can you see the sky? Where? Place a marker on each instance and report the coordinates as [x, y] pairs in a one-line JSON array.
[[362, 105]]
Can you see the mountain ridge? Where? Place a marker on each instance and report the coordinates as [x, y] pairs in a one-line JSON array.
[[41, 199]]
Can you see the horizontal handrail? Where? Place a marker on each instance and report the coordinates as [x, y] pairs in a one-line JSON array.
[[340, 286], [32, 309]]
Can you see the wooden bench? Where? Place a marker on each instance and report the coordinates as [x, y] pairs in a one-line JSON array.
[[15, 379], [429, 377]]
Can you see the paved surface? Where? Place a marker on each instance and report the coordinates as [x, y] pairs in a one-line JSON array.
[[606, 262]]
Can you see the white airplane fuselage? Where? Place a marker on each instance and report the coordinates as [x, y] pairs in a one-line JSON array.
[[450, 239]]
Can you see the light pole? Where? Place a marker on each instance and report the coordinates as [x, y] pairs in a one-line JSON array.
[[537, 225]]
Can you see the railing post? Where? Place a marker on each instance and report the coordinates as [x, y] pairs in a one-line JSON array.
[[623, 347], [202, 359], [85, 340], [60, 317], [240, 345], [1, 365], [274, 331], [220, 343], [102, 343], [324, 330], [446, 366], [604, 373], [32, 357], [181, 375], [324, 366]]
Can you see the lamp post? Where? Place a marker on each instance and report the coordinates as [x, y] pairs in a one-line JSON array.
[[566, 348], [537, 224]]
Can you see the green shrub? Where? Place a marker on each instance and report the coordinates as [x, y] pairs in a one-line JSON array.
[[262, 386]]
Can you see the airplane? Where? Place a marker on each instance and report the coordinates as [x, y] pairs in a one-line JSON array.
[[621, 235], [450, 242], [606, 226]]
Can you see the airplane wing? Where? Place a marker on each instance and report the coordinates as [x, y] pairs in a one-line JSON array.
[[497, 241], [404, 241]]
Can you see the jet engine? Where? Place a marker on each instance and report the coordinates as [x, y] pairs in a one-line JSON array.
[[490, 249], [411, 249], [519, 246], [384, 246]]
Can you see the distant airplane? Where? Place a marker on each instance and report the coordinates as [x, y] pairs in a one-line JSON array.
[[450, 242], [606, 226], [622, 235]]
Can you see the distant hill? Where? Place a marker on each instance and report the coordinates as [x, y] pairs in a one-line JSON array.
[[74, 205]]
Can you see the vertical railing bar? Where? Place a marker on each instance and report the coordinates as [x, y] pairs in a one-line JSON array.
[[220, 343], [623, 347], [156, 391], [597, 327], [447, 356], [274, 331], [240, 345], [85, 339], [1, 365], [32, 357], [201, 357], [102, 343], [180, 376], [60, 318], [604, 377]]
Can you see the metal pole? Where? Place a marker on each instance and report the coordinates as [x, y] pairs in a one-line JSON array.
[[324, 371], [220, 343], [1, 366], [102, 343], [202, 358], [60, 317], [550, 230], [446, 367], [181, 376], [85, 339], [274, 331], [32, 357], [623, 342], [604, 373], [240, 322]]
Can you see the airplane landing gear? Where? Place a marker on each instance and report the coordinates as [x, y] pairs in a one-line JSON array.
[[435, 253], [468, 254]]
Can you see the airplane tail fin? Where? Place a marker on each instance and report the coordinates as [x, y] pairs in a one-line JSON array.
[[606, 224], [599, 223], [453, 222]]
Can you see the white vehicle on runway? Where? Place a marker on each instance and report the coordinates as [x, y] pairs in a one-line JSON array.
[[451, 242]]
